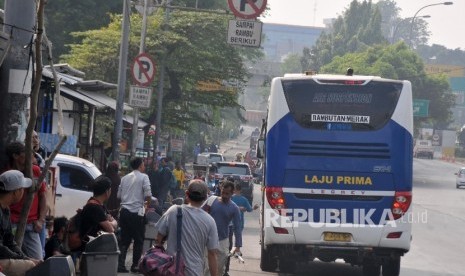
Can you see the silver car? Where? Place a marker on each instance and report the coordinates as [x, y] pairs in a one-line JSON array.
[[460, 181]]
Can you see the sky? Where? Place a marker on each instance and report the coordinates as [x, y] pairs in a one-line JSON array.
[[447, 23]]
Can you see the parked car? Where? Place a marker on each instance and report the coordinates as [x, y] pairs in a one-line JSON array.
[[239, 172], [460, 180], [74, 177]]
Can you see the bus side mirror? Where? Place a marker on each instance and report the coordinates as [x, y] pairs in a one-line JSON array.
[[260, 148]]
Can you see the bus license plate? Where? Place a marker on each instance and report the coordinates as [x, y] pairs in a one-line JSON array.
[[339, 237]]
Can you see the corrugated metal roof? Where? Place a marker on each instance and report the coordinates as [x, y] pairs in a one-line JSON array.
[[77, 96], [104, 99], [130, 120]]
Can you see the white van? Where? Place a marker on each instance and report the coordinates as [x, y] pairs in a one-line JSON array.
[[73, 178]]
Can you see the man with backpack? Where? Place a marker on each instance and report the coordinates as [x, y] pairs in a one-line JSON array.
[[92, 218], [95, 216]]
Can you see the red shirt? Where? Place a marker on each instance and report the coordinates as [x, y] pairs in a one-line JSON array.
[[15, 209]]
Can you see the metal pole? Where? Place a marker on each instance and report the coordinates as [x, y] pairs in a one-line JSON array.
[[415, 15], [135, 124], [160, 92], [396, 28], [123, 62]]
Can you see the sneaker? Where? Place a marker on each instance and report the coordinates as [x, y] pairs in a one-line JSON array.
[[122, 270]]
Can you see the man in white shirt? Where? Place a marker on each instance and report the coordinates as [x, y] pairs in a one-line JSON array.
[[134, 191]]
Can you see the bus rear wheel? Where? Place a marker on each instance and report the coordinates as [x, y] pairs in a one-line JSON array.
[[267, 262], [392, 267]]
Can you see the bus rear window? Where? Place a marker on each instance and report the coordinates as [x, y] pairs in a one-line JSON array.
[[339, 106]]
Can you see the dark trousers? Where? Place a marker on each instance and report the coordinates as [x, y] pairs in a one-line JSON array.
[[132, 228]]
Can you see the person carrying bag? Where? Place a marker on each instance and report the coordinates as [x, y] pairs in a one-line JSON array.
[[156, 262], [198, 232]]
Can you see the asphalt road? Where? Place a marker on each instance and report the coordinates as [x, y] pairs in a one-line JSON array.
[[438, 219], [438, 243]]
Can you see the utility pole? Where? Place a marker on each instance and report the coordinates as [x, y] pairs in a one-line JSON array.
[[146, 10], [160, 90], [16, 70], [123, 62]]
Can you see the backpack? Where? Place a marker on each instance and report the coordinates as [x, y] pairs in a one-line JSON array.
[[73, 235]]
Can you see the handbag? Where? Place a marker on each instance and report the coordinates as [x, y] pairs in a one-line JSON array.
[[156, 262]]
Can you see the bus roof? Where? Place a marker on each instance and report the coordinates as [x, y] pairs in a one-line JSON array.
[[335, 77]]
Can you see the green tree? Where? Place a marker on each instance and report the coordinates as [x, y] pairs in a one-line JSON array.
[[64, 17], [192, 54], [358, 28], [395, 28], [399, 62], [441, 55]]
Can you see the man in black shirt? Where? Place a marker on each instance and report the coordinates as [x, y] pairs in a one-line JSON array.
[[12, 259], [95, 216]]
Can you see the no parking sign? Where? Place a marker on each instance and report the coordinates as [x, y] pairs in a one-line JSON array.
[[143, 69], [247, 9]]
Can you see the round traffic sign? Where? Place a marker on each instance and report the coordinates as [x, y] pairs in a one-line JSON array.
[[247, 9], [143, 69]]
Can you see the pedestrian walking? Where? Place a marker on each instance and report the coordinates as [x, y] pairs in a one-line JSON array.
[[180, 177], [135, 194], [224, 211], [244, 206], [164, 181], [198, 231]]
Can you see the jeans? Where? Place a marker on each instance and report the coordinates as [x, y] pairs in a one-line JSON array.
[[32, 246]]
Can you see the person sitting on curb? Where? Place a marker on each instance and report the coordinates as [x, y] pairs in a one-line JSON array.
[[12, 260]]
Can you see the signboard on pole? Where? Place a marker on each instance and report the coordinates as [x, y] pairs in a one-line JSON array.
[[143, 69], [420, 108], [245, 33], [247, 9], [140, 96], [176, 144]]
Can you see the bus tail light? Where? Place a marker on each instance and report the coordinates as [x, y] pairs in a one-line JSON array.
[[401, 203], [275, 197], [280, 230]]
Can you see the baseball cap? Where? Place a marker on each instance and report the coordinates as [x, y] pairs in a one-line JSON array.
[[13, 180], [197, 190]]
